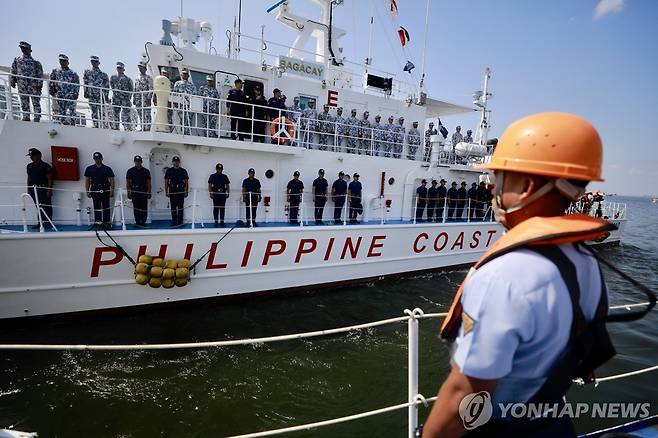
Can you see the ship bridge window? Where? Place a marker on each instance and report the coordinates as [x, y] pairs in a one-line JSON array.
[[303, 101], [199, 77]]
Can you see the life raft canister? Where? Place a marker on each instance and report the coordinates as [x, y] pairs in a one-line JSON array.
[[282, 130]]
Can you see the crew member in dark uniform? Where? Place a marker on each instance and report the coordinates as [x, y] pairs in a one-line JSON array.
[[260, 113], [99, 185], [278, 107], [461, 200], [432, 197], [472, 200], [237, 110], [138, 186], [338, 191], [421, 200], [320, 186], [354, 191], [295, 192], [452, 200], [251, 196], [219, 189], [481, 196], [441, 200], [177, 183], [40, 174]]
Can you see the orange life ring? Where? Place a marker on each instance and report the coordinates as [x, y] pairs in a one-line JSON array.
[[282, 130]]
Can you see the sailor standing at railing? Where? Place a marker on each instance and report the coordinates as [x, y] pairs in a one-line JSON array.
[[341, 129], [219, 187], [472, 200], [378, 136], [294, 192], [391, 135], [177, 185], [413, 140], [355, 193], [457, 137], [462, 199], [365, 134], [325, 128], [428, 145], [309, 123], [421, 200], [122, 88], [143, 96], [400, 132], [442, 192], [432, 199], [96, 91], [469, 136], [99, 185], [30, 85], [65, 87], [251, 196], [338, 191], [138, 188], [210, 107], [353, 127], [40, 175], [185, 89], [237, 110], [320, 186]]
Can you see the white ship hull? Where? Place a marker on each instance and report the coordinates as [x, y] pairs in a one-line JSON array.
[[68, 272]]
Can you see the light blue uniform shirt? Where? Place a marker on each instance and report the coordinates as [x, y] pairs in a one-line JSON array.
[[522, 313]]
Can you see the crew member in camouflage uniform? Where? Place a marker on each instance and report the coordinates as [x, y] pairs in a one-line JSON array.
[[469, 136], [391, 135], [143, 96], [326, 128], [210, 107], [400, 132], [293, 113], [341, 129], [378, 136], [457, 137], [365, 135], [65, 87], [309, 119], [186, 89], [413, 140], [353, 128], [97, 84], [428, 145], [122, 87], [25, 65]]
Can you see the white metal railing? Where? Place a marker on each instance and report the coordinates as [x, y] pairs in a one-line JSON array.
[[202, 116], [600, 208], [271, 206], [414, 398]]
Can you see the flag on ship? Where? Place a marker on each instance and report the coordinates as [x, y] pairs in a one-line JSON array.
[[403, 34], [393, 7], [409, 66]]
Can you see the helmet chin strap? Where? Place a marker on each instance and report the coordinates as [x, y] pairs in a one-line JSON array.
[[567, 189]]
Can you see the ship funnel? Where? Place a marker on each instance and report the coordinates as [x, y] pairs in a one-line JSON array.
[[165, 39]]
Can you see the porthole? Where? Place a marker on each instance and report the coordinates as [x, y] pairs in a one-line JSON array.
[[391, 181], [269, 173]]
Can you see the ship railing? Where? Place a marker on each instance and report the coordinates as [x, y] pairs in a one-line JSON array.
[[414, 398], [198, 211], [608, 210], [357, 71], [202, 116]]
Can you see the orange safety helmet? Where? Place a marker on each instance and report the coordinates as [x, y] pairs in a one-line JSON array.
[[559, 145]]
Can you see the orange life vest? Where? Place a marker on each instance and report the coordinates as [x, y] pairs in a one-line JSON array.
[[536, 231]]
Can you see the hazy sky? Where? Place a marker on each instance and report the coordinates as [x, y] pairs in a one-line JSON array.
[[595, 58]]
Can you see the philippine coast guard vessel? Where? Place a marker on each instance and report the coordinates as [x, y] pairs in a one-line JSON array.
[[69, 267]]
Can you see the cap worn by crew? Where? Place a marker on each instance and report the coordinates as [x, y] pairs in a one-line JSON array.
[[120, 65], [175, 158], [454, 183], [164, 72], [424, 181], [463, 183], [321, 171], [433, 181], [184, 71], [341, 173], [94, 58], [137, 158], [98, 156], [356, 175], [276, 90], [24, 45], [296, 173], [63, 57], [219, 166], [252, 170], [237, 81], [442, 180], [209, 78], [33, 151], [141, 64]]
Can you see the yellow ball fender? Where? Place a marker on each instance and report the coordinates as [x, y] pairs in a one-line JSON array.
[[142, 268], [141, 279], [156, 272], [171, 264], [168, 273], [160, 263], [183, 263], [182, 272], [168, 283], [180, 282], [155, 282], [145, 259]]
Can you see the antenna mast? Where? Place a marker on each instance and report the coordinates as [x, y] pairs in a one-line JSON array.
[[480, 98], [427, 22]]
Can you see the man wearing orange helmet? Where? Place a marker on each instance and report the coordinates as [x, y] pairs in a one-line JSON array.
[[523, 336]]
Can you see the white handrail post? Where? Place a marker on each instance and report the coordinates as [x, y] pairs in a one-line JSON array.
[[345, 212], [301, 210], [468, 219], [445, 208], [194, 208], [36, 201], [251, 218], [415, 207], [24, 211], [123, 213], [412, 326]]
